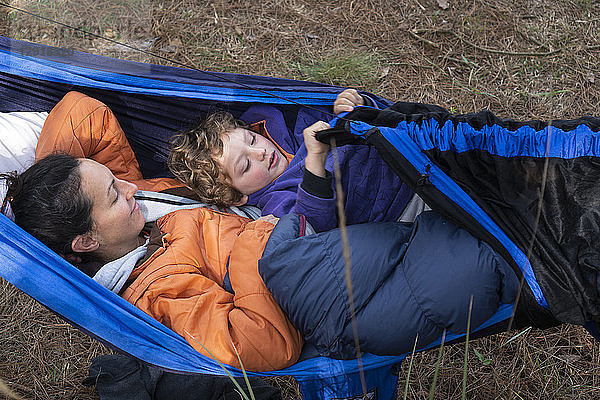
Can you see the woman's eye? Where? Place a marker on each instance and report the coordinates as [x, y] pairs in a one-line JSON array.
[[253, 140], [247, 166]]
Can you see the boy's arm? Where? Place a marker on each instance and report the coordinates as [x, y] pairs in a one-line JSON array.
[[315, 197], [319, 211]]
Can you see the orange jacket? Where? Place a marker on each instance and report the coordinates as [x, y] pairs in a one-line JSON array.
[[180, 281]]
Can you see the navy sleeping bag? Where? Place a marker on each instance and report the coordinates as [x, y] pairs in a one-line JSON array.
[[408, 279]]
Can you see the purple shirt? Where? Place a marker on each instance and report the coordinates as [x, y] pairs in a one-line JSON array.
[[373, 192]]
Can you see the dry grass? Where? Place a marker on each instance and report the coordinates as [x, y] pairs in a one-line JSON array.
[[523, 59], [42, 356]]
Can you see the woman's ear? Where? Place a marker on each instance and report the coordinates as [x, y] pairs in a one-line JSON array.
[[85, 243], [242, 201]]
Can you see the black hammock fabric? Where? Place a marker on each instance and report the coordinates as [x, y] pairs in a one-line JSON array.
[[504, 166]]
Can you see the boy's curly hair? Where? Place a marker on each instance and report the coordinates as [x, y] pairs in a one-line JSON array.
[[193, 159]]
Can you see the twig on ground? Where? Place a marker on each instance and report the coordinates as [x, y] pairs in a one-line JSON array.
[[494, 51], [429, 42]]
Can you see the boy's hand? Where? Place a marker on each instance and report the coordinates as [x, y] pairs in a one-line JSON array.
[[346, 101], [317, 151], [313, 146]]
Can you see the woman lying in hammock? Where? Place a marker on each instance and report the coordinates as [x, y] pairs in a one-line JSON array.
[[203, 273]]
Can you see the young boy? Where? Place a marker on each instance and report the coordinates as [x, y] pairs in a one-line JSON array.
[[227, 162]]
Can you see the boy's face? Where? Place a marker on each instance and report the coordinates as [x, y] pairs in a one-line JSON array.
[[250, 160]]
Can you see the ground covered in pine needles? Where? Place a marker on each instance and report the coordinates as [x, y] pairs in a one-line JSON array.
[[523, 59]]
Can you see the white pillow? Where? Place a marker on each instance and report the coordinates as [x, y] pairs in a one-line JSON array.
[[19, 133]]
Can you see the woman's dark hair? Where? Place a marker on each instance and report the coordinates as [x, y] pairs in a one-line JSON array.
[[47, 201]]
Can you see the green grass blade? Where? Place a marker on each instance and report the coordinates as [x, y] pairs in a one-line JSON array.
[[464, 380], [516, 336], [437, 366], [410, 367], [237, 385], [244, 372]]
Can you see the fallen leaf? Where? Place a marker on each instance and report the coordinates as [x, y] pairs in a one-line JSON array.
[[443, 4], [384, 72]]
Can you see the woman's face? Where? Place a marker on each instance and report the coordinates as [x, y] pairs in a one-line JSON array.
[[116, 215]]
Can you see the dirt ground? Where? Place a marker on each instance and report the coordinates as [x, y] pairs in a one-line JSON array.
[[524, 59]]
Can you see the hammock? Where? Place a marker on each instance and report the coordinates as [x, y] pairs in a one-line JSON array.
[[151, 102], [529, 189]]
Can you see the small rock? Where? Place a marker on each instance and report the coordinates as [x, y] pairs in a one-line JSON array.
[[571, 358], [168, 49], [147, 44], [443, 4], [109, 33], [591, 78]]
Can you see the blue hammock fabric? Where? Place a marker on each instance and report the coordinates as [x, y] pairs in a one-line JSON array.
[[152, 102]]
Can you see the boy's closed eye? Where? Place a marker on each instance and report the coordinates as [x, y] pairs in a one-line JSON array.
[[252, 141]]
